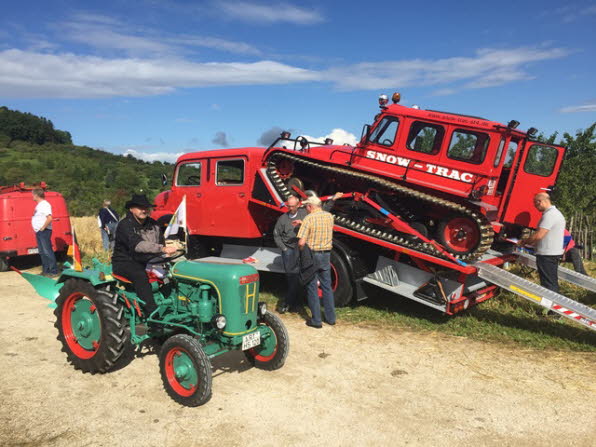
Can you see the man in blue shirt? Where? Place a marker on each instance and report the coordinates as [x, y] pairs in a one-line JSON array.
[[107, 221]]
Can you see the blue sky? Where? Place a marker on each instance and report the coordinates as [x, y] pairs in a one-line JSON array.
[[159, 78]]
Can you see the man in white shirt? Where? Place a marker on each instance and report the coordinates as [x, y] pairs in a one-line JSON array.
[[548, 241], [42, 225]]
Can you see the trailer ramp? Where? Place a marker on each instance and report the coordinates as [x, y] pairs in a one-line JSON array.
[[534, 293], [571, 276]]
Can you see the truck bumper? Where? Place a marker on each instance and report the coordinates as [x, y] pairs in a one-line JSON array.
[[8, 254]]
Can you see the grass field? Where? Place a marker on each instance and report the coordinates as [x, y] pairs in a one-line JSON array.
[[505, 319]]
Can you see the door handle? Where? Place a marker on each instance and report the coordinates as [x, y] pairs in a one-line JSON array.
[[199, 195], [241, 194]]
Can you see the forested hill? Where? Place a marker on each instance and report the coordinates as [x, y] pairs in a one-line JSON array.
[[85, 176]]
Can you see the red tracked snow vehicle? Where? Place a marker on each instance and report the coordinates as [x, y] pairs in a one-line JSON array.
[[424, 189]]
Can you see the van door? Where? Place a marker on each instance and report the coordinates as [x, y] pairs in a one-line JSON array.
[[190, 180], [228, 214], [536, 172]]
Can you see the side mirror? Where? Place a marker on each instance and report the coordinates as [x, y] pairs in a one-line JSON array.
[[164, 180], [365, 133]]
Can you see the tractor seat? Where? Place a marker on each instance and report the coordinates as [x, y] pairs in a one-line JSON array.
[[122, 279], [154, 280]]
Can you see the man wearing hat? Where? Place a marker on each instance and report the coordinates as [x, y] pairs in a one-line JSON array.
[[138, 240], [316, 232]]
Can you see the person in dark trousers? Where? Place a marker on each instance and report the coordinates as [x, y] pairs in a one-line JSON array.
[[548, 241], [42, 225], [138, 240], [107, 219], [572, 253], [316, 235], [285, 236]]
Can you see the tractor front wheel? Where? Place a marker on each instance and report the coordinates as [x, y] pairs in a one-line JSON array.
[[185, 370], [272, 352], [91, 326]]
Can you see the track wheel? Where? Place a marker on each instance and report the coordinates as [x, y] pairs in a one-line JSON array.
[[272, 352], [91, 326], [185, 370], [458, 234]]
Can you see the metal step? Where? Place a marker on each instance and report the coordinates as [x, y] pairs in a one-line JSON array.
[[571, 276], [548, 299]]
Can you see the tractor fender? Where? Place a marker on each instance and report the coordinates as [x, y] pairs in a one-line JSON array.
[[95, 277]]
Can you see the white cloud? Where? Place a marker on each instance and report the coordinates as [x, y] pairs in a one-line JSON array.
[[66, 75], [339, 136], [269, 13], [583, 108], [489, 67], [153, 156], [106, 33]]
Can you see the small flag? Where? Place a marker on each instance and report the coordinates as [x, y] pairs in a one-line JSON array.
[[178, 220], [75, 252]]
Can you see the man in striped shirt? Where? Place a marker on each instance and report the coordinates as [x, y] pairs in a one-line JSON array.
[[316, 232]]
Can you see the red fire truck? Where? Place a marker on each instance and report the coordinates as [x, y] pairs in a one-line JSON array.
[[17, 237], [428, 196]]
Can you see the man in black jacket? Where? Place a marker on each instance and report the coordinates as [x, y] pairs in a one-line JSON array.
[[138, 240]]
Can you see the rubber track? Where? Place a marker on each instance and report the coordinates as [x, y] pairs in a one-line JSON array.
[[486, 230]]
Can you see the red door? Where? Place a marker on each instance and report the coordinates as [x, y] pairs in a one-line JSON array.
[[536, 172], [190, 180]]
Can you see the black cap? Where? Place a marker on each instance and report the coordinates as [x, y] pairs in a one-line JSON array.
[[139, 200]]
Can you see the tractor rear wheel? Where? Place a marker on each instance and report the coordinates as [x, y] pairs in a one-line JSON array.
[[185, 370], [272, 352], [91, 326]]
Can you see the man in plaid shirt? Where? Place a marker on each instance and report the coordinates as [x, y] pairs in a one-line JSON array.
[[316, 232]]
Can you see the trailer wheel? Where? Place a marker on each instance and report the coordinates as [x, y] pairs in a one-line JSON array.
[[91, 326], [3, 264], [272, 352], [341, 281], [458, 234], [185, 370]]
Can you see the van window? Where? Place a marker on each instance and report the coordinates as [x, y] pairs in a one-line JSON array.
[[385, 132], [511, 150], [189, 174], [229, 172], [467, 145], [425, 137], [541, 160], [499, 152]]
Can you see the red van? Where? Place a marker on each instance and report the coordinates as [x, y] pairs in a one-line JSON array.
[[17, 237]]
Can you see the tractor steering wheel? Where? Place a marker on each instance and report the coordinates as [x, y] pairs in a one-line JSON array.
[[164, 260]]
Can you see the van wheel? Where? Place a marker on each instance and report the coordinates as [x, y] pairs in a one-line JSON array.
[[341, 281], [3, 265]]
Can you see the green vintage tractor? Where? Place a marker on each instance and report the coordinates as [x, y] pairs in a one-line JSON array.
[[204, 310]]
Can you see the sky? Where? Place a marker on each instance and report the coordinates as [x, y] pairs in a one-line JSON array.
[[156, 79]]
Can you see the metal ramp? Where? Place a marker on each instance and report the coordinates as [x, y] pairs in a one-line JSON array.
[[571, 276], [534, 293]]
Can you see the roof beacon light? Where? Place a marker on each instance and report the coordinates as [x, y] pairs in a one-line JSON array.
[[328, 141], [396, 98], [286, 135], [416, 106], [513, 124], [532, 131], [383, 100]]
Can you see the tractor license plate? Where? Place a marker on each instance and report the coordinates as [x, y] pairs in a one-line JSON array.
[[251, 340], [33, 251]]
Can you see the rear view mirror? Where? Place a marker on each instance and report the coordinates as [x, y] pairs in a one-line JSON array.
[[164, 179]]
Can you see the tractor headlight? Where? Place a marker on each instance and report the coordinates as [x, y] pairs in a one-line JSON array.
[[219, 321], [262, 309]]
